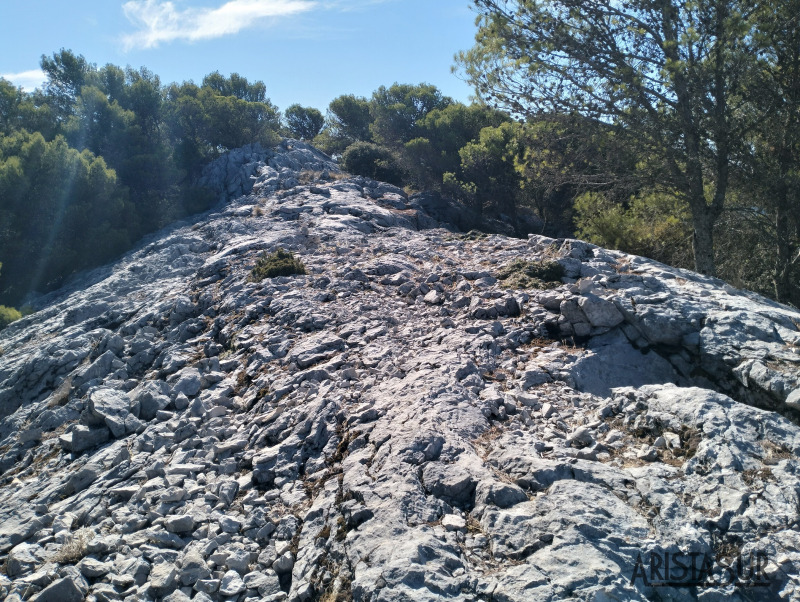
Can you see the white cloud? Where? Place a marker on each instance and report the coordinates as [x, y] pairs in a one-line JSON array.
[[158, 21], [353, 5], [28, 80]]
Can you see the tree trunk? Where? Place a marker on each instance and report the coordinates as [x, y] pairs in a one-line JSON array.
[[783, 258], [780, 271], [703, 239]]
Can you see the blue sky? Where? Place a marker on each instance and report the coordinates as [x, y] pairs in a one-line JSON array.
[[306, 51]]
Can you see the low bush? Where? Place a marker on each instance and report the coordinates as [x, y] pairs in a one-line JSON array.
[[279, 263], [372, 161], [8, 315], [531, 274]]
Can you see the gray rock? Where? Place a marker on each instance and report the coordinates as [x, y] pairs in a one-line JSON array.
[[151, 397], [571, 310], [173, 494], [284, 563], [239, 561], [316, 349], [433, 297], [614, 363], [134, 568], [581, 437], [30, 436], [81, 438], [61, 590], [112, 408], [449, 482], [793, 400], [163, 578], [230, 524], [267, 583], [23, 559], [176, 596], [189, 383], [533, 378], [82, 479], [502, 495], [193, 568], [179, 524], [92, 568], [453, 522], [599, 312], [231, 584], [100, 368], [207, 586]]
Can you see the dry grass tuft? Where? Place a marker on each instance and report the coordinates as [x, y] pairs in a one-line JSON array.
[[308, 176], [61, 395], [340, 591], [74, 549]]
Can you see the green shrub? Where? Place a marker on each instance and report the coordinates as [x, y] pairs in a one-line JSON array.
[[279, 263], [652, 224], [372, 161], [531, 274], [8, 315], [473, 235]]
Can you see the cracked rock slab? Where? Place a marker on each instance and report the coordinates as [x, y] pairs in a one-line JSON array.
[[395, 424]]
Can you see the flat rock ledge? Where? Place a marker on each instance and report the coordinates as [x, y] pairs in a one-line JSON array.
[[397, 424]]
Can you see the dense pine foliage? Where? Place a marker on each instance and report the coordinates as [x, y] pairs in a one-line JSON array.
[[706, 92], [103, 155]]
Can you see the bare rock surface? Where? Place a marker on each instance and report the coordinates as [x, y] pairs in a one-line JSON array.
[[396, 424]]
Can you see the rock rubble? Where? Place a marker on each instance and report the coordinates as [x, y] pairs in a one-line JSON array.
[[397, 424]]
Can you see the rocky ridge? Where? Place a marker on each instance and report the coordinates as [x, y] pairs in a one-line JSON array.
[[398, 424]]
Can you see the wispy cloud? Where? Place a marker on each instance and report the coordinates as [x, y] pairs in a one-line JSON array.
[[353, 5], [27, 80], [158, 22]]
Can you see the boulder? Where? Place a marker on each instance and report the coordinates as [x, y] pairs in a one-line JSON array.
[[114, 409], [82, 438], [599, 312], [231, 584], [61, 590]]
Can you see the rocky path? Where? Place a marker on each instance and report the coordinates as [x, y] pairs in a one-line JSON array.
[[401, 423]]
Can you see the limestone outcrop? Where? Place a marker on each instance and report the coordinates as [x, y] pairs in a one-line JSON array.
[[404, 422]]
